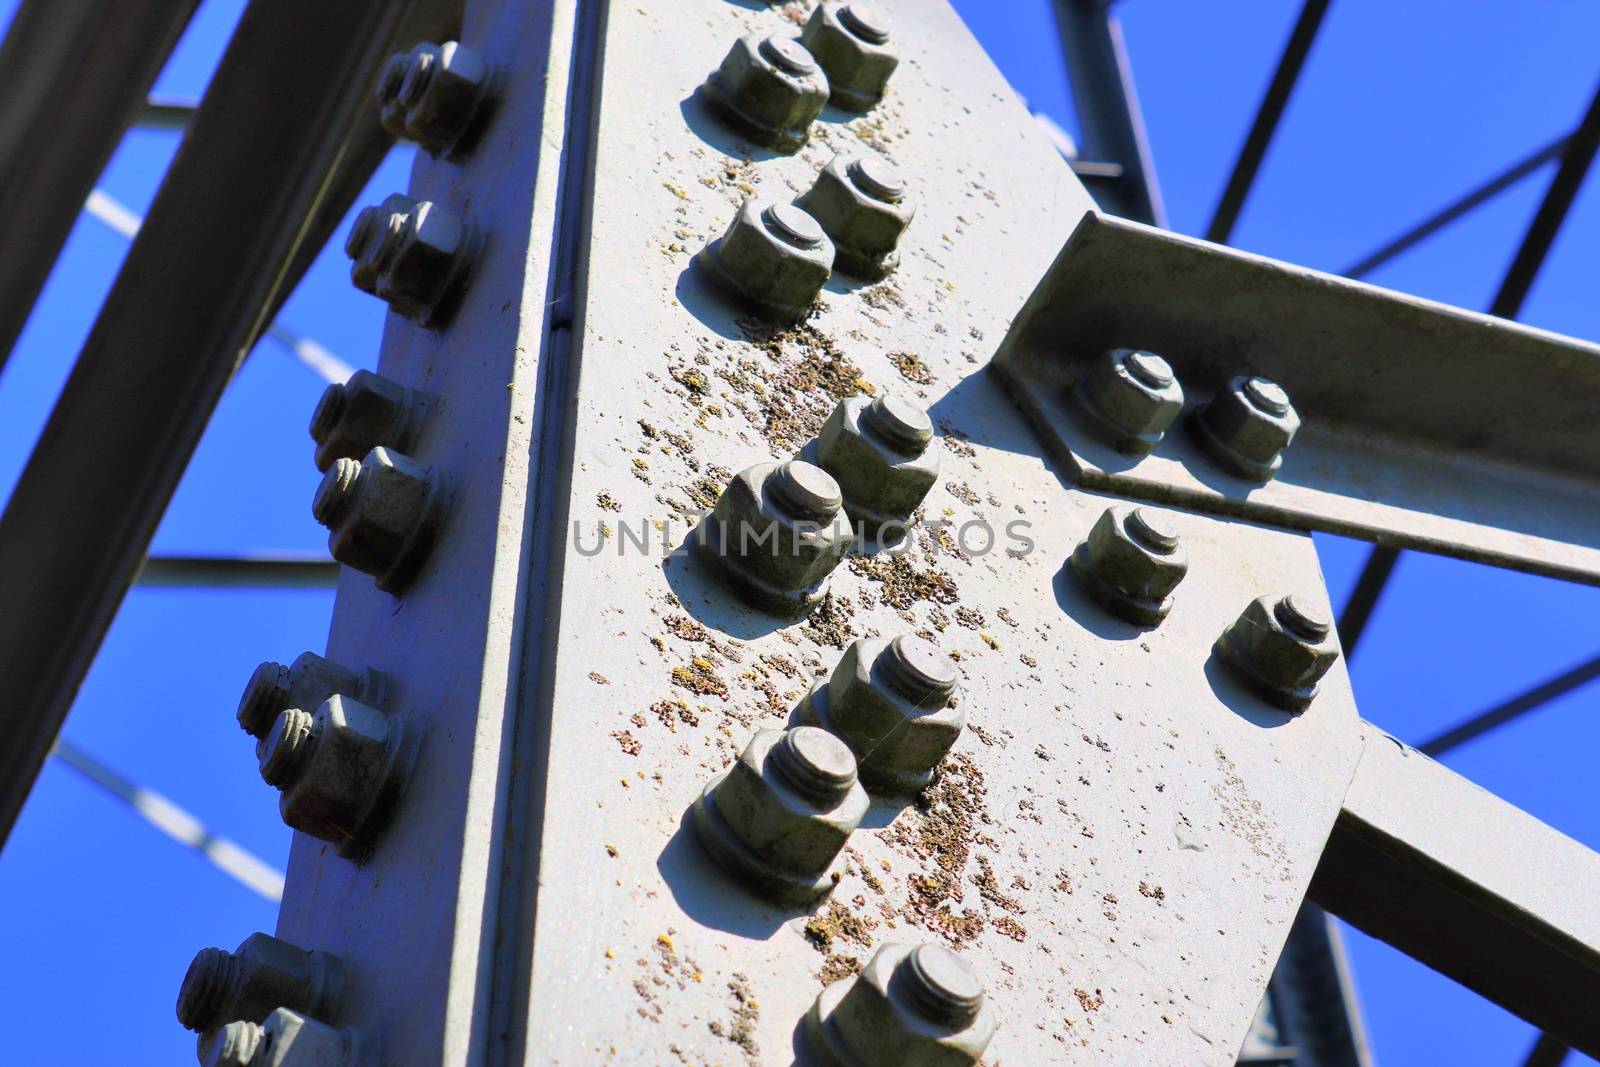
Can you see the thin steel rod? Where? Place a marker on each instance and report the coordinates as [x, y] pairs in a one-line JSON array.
[[1472, 201], [233, 860], [1364, 598], [1514, 708], [1266, 122], [239, 572], [1546, 1052]]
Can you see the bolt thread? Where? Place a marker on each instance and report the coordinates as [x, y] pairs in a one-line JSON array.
[[362, 231], [420, 74], [787, 54], [394, 74], [263, 699], [940, 986], [804, 491], [914, 669], [1149, 531], [902, 426], [208, 987], [877, 179], [865, 22], [1267, 395], [336, 492], [234, 1045], [288, 747], [814, 764], [1148, 368], [1301, 619], [328, 411]]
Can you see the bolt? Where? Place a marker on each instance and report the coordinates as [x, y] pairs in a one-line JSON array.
[[774, 258], [274, 688], [893, 703], [415, 256], [776, 533], [851, 42], [770, 89], [778, 818], [1281, 649], [862, 204], [233, 1045], [879, 451], [369, 410], [381, 515], [910, 1004], [1127, 399], [338, 770], [1130, 564], [263, 974], [438, 96], [1247, 426], [286, 1039]]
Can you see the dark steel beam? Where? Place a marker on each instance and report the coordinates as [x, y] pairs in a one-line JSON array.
[[1546, 1052], [285, 136], [1108, 111], [1478, 890], [238, 572], [166, 113], [1266, 121], [1514, 708], [76, 75], [1577, 157]]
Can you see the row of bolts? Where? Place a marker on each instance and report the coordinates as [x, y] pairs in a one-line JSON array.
[[880, 723]]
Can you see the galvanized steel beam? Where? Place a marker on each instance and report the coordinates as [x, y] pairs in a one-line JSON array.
[[1108, 110], [286, 135], [76, 74], [1444, 450], [1469, 885]]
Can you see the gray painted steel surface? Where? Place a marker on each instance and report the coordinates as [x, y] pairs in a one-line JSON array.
[[1424, 425]]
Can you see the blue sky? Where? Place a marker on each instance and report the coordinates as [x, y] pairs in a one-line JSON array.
[[1402, 107]]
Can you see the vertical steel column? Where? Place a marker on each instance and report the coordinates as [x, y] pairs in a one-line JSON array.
[[1108, 108]]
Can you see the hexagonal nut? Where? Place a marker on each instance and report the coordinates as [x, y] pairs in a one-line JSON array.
[[435, 95], [1281, 648], [879, 451], [1247, 426], [263, 974], [415, 256], [774, 258], [287, 1039], [338, 770], [1130, 564], [910, 1004], [356, 416], [1128, 398], [778, 818], [770, 89], [381, 515], [893, 703], [861, 204], [776, 532], [851, 41]]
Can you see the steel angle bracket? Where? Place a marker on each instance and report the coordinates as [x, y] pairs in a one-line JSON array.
[[1122, 836], [1425, 426]]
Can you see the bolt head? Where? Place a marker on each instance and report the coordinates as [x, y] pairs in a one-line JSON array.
[[910, 1004], [357, 416], [779, 837], [760, 262], [883, 473], [1282, 663], [893, 703], [861, 203], [385, 518], [770, 89], [852, 43], [1242, 429], [777, 559], [1128, 398], [1131, 563]]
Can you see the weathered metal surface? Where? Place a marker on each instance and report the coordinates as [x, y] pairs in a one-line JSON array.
[[1121, 837], [1424, 426], [76, 74], [1473, 887], [238, 218]]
